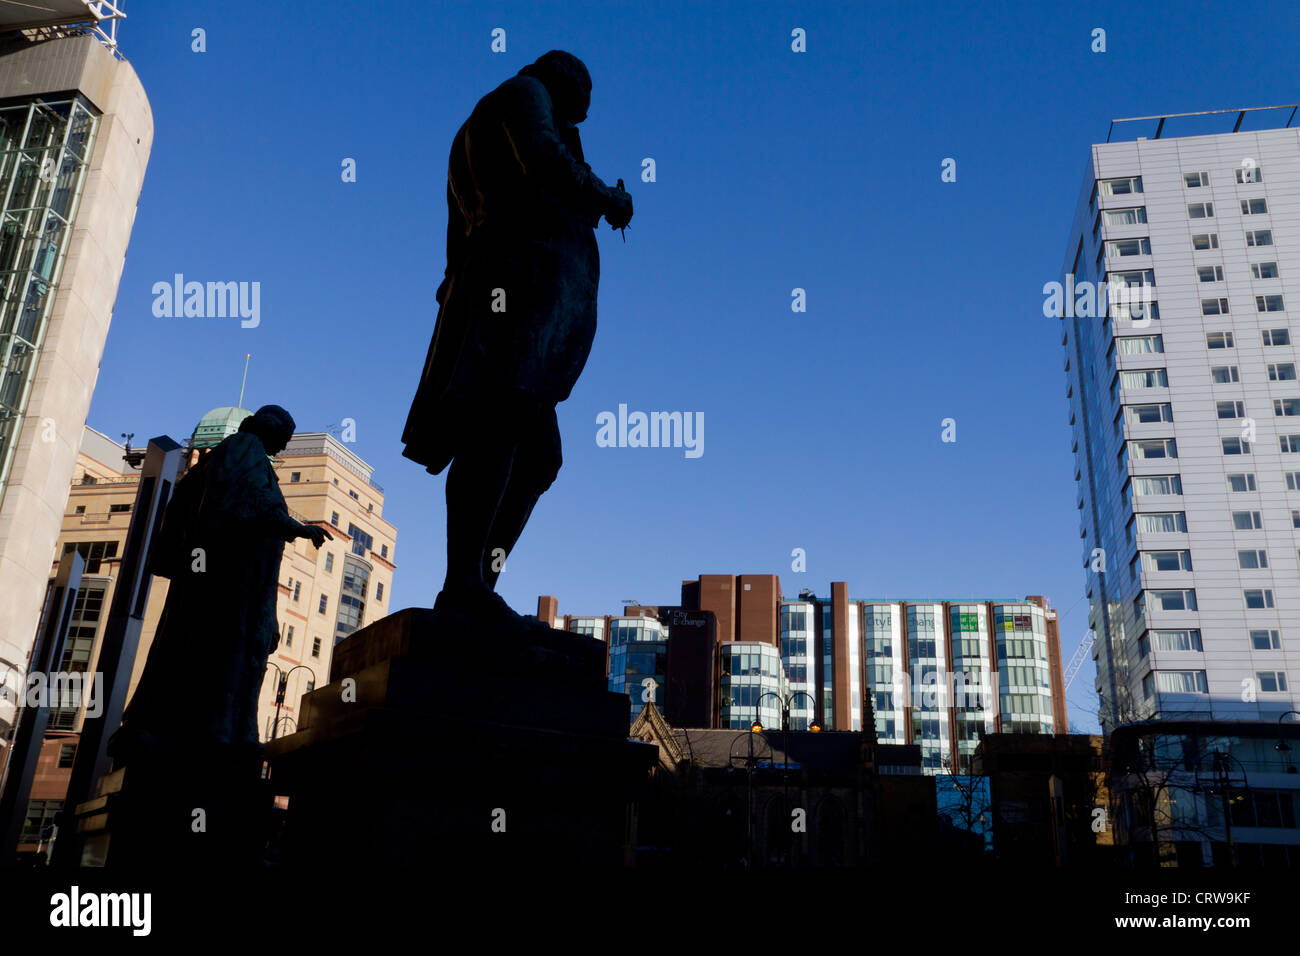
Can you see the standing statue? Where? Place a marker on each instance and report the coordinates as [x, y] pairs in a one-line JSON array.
[[516, 318], [221, 541]]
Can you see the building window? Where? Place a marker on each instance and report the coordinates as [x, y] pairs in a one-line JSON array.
[[336, 482], [1217, 306], [315, 647], [297, 589], [1249, 174], [379, 591], [1158, 485], [1140, 344], [329, 561], [1246, 521], [334, 518], [1120, 187], [1252, 560], [1253, 207], [1181, 599], [352, 494], [1236, 446], [1218, 340], [1290, 444], [1177, 640], [94, 553], [1268, 303], [1259, 237], [1265, 640], [1281, 372], [362, 543], [1165, 522], [352, 599], [1209, 273], [1181, 682], [1193, 180], [324, 599], [1156, 448], [1276, 336], [383, 551], [1149, 414], [67, 754], [1264, 270], [1205, 240], [1200, 210], [1147, 682], [80, 510], [1231, 409], [1224, 374], [1243, 482], [1286, 407], [1257, 599], [118, 509], [1118, 248], [1293, 481], [295, 476], [1132, 216], [1271, 682], [1166, 560], [288, 637], [1145, 378]]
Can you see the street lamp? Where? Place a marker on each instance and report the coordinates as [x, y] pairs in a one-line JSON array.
[[1282, 746], [1222, 781], [757, 728], [282, 686]]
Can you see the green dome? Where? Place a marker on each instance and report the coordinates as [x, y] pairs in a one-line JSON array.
[[217, 425]]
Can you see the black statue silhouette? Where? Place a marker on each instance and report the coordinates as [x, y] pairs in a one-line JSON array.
[[516, 318], [220, 543]]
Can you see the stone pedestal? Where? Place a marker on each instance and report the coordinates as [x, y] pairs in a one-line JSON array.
[[436, 743]]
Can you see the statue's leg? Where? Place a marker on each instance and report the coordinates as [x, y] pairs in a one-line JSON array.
[[476, 483], [536, 463]]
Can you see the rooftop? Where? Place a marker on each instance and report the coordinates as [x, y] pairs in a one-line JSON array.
[[1204, 126]]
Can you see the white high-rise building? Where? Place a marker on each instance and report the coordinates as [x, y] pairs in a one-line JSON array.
[[1185, 408]]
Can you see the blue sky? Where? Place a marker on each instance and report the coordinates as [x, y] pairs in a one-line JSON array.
[[775, 170]]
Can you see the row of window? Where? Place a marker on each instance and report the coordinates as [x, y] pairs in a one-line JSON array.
[[1184, 599], [1194, 682], [1140, 378], [1189, 639]]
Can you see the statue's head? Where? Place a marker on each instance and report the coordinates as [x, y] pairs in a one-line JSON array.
[[567, 80], [273, 425]]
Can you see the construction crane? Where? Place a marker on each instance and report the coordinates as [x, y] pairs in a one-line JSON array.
[[1076, 661]]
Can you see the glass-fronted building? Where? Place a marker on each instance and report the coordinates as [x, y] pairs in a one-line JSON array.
[[753, 685], [638, 650]]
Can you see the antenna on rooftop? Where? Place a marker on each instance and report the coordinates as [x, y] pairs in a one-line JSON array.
[[240, 403]]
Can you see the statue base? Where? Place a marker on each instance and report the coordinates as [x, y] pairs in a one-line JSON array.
[[440, 741]]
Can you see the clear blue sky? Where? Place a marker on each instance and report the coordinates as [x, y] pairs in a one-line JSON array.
[[775, 170]]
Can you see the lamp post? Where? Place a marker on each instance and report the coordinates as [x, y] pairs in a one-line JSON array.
[[1282, 746], [281, 687], [757, 728], [1222, 781]]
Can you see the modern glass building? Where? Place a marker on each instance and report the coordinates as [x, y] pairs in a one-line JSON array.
[[753, 685], [75, 136], [638, 650], [936, 673], [1182, 266]]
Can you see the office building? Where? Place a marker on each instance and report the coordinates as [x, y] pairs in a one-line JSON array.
[[75, 134], [1181, 269], [937, 674]]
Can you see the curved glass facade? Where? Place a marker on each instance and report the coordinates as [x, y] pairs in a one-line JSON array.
[[638, 650], [44, 150], [748, 670]]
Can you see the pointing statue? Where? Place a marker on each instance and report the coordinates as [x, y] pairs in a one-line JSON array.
[[516, 318], [221, 541]]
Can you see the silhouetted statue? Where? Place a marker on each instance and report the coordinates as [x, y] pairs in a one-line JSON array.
[[220, 543], [516, 320]]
